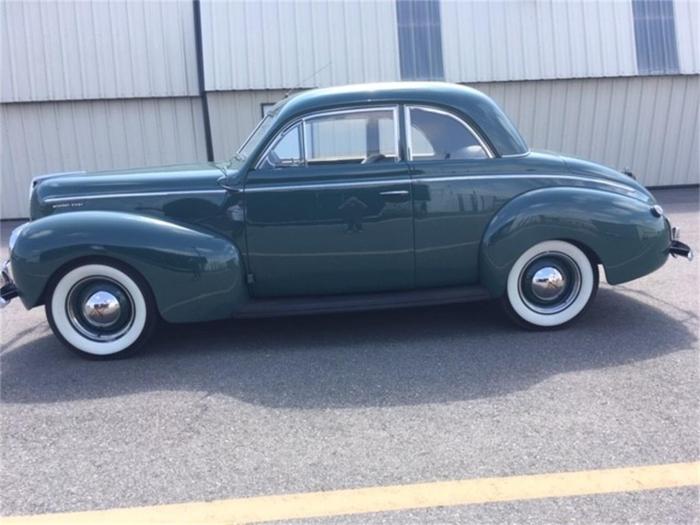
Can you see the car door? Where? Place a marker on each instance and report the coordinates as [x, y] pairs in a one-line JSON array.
[[452, 202], [328, 207]]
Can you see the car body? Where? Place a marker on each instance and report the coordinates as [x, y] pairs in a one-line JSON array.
[[346, 198]]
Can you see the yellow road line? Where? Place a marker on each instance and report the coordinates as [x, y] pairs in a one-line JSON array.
[[388, 498]]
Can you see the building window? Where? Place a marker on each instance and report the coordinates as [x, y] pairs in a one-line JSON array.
[[420, 39], [655, 36]]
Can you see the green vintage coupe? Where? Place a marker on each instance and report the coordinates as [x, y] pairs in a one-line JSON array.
[[358, 197]]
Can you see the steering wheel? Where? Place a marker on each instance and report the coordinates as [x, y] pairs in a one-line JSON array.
[[375, 157]]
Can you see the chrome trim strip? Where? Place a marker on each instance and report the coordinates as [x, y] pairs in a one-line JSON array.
[[431, 109], [303, 120], [278, 138], [409, 137], [325, 185], [487, 177], [394, 108], [397, 133], [307, 145], [126, 195], [250, 135], [517, 155]]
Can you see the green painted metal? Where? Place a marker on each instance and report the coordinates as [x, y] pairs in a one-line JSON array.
[[325, 239], [210, 237], [194, 274], [619, 231], [454, 214]]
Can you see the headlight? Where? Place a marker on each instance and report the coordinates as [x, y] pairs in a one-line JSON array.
[[14, 235]]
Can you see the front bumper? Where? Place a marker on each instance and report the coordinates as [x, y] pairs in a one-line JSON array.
[[8, 290], [678, 248]]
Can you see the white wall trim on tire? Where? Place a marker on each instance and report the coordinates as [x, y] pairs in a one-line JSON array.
[[74, 337], [587, 285]]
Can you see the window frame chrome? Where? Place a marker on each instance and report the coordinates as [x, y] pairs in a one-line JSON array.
[[303, 120], [440, 111], [251, 134], [273, 144]]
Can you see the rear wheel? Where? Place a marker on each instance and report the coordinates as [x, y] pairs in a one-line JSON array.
[[550, 285], [101, 310]]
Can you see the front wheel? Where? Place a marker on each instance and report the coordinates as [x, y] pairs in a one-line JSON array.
[[550, 285], [101, 310]]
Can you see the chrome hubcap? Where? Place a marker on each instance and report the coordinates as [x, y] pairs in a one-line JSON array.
[[549, 283], [101, 309]]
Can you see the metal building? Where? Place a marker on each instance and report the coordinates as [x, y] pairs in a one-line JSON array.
[[116, 83]]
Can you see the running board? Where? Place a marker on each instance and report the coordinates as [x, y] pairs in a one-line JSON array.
[[284, 306]]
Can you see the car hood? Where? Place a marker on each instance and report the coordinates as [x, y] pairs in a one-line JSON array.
[[63, 187]]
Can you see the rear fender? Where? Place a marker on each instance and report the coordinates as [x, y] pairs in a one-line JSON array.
[[194, 275], [617, 231]]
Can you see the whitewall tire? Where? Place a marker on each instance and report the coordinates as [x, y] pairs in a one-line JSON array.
[[550, 285], [101, 310]]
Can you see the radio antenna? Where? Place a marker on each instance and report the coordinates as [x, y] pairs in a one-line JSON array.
[[301, 83]]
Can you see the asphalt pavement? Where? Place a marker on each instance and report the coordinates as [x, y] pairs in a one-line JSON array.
[[245, 408]]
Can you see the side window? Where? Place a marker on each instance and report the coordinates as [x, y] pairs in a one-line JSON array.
[[286, 151], [351, 137], [438, 135]]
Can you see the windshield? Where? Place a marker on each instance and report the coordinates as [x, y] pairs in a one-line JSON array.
[[255, 137]]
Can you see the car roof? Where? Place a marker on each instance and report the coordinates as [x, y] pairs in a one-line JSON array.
[[476, 107]]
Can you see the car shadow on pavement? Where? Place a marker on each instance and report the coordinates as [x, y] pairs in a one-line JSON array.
[[388, 358]]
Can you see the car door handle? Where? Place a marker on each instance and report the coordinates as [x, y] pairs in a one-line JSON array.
[[395, 195], [393, 192]]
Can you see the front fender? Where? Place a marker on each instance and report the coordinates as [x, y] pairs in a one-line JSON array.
[[194, 275], [624, 235]]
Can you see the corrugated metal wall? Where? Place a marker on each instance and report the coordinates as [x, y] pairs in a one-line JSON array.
[[234, 115], [505, 40], [75, 50], [648, 124], [64, 136], [94, 85], [282, 44]]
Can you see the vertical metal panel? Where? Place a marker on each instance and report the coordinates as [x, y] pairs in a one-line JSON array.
[[280, 44], [86, 50], [688, 35], [61, 136], [506, 40], [655, 36], [648, 124], [420, 39], [234, 115]]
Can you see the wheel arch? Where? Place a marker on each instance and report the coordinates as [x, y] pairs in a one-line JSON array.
[[613, 230], [194, 275]]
